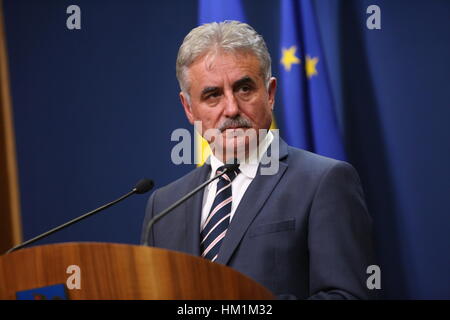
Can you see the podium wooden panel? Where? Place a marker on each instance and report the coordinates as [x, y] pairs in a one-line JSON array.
[[118, 271]]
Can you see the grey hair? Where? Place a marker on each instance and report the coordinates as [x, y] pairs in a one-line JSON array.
[[229, 36]]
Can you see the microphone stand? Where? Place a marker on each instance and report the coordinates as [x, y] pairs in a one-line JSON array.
[[229, 168], [137, 189]]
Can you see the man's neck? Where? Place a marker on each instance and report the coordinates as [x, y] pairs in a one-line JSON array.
[[252, 155]]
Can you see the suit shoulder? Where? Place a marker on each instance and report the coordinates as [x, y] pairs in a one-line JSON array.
[[315, 163], [309, 159]]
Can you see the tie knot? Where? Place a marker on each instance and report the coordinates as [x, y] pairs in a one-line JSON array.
[[230, 175]]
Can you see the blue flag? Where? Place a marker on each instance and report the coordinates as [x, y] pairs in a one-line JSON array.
[[220, 10], [308, 109]]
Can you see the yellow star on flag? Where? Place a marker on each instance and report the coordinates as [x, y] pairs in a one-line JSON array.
[[289, 58], [310, 66]]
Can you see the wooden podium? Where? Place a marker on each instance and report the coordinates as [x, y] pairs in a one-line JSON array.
[[118, 271]]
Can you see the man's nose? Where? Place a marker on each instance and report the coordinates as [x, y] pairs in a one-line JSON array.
[[231, 106]]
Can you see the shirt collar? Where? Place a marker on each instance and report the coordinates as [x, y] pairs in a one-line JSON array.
[[250, 168]]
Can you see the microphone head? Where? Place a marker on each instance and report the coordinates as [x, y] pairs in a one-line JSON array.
[[143, 186], [232, 166]]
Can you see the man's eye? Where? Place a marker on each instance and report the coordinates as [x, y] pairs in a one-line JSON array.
[[212, 95], [245, 89]]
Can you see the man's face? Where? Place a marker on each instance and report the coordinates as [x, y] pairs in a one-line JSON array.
[[228, 92]]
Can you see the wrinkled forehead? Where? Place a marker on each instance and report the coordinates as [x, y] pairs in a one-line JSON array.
[[218, 59]]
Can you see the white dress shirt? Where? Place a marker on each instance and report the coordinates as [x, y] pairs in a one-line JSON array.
[[240, 184]]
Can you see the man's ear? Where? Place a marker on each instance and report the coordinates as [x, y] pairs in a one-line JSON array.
[[187, 107], [272, 90]]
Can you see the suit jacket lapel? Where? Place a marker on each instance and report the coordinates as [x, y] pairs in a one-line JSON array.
[[194, 211], [251, 203]]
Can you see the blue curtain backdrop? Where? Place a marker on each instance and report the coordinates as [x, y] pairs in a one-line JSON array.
[[94, 110]]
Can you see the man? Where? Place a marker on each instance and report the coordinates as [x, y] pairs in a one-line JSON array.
[[304, 231]]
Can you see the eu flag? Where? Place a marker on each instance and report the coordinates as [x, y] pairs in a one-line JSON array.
[[308, 110]]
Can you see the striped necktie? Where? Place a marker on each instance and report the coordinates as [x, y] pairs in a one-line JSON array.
[[214, 228]]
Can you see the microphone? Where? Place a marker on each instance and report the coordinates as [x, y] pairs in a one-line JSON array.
[[142, 186], [228, 168]]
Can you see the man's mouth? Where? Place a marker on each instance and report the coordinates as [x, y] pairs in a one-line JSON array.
[[235, 128]]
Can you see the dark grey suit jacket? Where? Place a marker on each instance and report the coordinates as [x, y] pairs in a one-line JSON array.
[[303, 233]]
